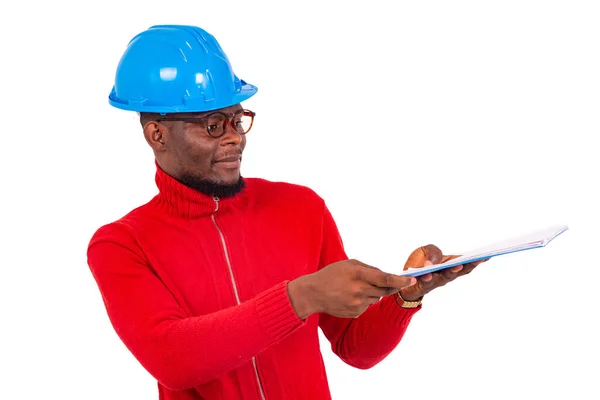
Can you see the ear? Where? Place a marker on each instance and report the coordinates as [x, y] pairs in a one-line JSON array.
[[154, 134]]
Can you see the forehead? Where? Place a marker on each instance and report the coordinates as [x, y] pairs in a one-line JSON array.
[[226, 110]]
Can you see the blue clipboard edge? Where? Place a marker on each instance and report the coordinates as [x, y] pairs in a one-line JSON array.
[[433, 268]]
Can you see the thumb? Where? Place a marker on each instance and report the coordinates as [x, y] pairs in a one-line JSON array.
[[419, 256]]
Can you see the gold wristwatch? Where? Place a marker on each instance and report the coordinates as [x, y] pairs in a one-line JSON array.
[[409, 304]]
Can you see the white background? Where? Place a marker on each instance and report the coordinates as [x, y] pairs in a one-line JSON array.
[[446, 122]]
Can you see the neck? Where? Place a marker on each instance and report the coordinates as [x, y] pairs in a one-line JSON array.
[[179, 199]]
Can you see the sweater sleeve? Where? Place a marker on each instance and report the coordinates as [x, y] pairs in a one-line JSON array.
[[364, 341], [178, 350]]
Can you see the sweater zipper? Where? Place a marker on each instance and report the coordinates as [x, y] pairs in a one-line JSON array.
[[234, 285]]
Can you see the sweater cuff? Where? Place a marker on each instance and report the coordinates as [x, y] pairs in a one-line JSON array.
[[276, 313], [397, 315]]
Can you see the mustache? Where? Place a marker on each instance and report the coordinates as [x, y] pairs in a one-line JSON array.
[[237, 153]]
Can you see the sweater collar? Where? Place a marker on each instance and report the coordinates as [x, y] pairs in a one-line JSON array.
[[180, 200]]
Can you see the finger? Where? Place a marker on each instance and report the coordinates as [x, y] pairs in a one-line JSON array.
[[427, 278], [432, 253], [428, 282], [456, 268], [467, 268], [451, 273], [376, 291], [385, 280], [480, 261], [464, 268], [425, 283]]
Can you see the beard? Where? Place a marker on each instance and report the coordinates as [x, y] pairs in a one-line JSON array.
[[212, 188]]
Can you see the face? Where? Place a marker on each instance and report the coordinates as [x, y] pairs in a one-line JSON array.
[[186, 151]]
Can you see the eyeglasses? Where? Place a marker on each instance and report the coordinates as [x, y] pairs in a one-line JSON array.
[[216, 123]]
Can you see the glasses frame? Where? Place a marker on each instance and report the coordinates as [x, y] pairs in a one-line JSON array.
[[202, 121]]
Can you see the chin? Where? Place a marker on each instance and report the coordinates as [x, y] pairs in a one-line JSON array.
[[227, 179], [220, 185]]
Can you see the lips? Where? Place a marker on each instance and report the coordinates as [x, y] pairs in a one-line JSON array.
[[229, 162], [229, 159]]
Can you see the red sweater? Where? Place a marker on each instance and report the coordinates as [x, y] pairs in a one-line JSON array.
[[196, 288]]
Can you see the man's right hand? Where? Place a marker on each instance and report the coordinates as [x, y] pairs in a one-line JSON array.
[[343, 289]]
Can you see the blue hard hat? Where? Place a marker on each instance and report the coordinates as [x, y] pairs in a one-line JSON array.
[[176, 68]]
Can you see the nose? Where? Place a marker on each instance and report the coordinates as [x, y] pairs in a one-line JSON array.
[[231, 136]]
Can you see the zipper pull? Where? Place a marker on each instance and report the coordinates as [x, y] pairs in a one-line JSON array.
[[216, 199]]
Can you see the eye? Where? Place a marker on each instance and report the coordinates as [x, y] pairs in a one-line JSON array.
[[214, 130]]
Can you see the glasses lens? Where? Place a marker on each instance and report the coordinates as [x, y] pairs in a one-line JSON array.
[[243, 121], [215, 123]]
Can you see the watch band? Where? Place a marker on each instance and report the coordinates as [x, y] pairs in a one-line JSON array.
[[409, 304]]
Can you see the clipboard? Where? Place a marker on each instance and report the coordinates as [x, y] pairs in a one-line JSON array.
[[531, 240]]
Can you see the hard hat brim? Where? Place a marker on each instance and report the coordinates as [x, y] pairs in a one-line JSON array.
[[244, 94]]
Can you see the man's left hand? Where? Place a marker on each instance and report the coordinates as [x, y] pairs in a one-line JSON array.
[[426, 256]]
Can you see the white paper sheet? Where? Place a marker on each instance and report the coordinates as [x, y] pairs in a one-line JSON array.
[[532, 240]]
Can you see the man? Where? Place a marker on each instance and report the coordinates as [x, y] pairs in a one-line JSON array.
[[219, 284]]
